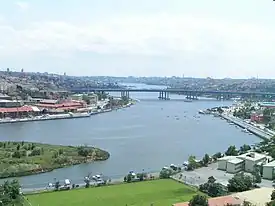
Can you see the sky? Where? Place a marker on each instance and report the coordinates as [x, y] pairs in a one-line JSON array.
[[198, 38]]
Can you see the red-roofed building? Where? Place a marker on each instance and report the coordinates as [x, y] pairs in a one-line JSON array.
[[66, 106], [15, 112], [217, 201]]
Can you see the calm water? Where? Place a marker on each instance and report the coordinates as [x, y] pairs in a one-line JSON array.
[[146, 136]]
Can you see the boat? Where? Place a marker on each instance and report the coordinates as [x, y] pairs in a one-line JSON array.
[[201, 112], [245, 130]]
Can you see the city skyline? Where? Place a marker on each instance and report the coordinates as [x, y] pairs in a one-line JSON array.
[[156, 38]]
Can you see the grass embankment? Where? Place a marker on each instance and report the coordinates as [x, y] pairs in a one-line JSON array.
[[25, 158], [160, 192]]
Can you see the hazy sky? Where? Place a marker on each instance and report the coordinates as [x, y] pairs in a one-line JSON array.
[[217, 38]]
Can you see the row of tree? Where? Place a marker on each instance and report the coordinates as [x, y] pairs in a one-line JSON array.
[[239, 183]]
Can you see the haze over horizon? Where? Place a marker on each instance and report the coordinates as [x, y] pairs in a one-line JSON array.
[[211, 38]]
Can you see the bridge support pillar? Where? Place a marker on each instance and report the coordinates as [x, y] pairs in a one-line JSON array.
[[125, 94], [163, 95]]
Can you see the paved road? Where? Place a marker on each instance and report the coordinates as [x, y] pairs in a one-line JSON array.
[[201, 175]]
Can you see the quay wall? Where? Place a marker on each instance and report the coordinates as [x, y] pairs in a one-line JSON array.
[[251, 128]]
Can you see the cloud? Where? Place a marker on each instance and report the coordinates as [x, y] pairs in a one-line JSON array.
[[22, 5], [160, 34]]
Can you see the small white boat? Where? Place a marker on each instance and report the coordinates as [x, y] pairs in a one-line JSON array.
[[201, 112], [245, 130]]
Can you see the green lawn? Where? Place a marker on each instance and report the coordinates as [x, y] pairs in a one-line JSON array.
[[159, 192]]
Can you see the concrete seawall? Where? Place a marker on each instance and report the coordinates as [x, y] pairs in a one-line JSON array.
[[251, 128]]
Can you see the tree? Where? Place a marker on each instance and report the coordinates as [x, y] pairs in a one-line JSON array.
[[86, 99], [198, 200], [60, 151], [206, 160], [10, 193], [165, 173], [129, 178], [211, 179], [16, 154], [192, 163], [82, 151], [245, 148], [256, 176], [239, 183], [271, 203], [213, 189], [57, 185], [246, 203], [231, 151], [217, 156]]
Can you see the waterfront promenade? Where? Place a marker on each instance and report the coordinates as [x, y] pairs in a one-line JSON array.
[[265, 134]]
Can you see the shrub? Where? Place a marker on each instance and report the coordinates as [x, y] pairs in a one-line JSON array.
[[16, 154], [36, 152]]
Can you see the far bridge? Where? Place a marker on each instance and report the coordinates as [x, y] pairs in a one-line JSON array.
[[190, 94]]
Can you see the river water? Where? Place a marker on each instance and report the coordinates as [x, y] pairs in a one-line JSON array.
[[149, 135]]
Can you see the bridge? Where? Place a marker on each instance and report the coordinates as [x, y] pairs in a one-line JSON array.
[[190, 94]]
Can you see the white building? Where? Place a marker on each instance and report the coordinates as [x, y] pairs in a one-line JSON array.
[[252, 159], [235, 165], [245, 162], [268, 170], [231, 164]]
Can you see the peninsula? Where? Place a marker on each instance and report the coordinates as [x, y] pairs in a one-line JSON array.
[[27, 158]]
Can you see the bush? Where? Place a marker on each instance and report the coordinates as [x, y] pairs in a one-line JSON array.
[[16, 154], [36, 152], [165, 173], [239, 183], [213, 189], [83, 151]]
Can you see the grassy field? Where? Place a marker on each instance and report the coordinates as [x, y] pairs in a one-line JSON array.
[[25, 158], [159, 192]]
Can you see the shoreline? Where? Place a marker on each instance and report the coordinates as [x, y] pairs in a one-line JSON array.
[[251, 128], [65, 116], [36, 157], [113, 181]]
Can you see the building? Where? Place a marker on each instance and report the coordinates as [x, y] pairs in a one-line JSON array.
[[245, 162], [235, 165], [217, 201], [231, 164], [252, 159], [19, 112], [5, 97], [267, 104], [91, 97], [255, 117], [63, 106], [268, 170], [4, 103]]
